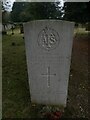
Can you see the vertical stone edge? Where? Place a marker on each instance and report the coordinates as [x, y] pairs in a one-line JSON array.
[[72, 37], [25, 25]]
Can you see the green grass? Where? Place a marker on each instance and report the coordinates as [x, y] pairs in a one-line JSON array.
[[16, 96], [15, 81], [80, 31], [0, 77]]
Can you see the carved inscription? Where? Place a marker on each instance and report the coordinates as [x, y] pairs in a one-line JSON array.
[[48, 75], [48, 39]]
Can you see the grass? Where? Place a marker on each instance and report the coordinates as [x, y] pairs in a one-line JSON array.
[[15, 85], [0, 77], [16, 97], [80, 31]]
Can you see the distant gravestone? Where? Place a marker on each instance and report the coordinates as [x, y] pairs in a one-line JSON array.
[[12, 28], [48, 51], [21, 29]]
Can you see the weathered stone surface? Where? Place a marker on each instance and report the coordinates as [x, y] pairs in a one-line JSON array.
[[48, 51]]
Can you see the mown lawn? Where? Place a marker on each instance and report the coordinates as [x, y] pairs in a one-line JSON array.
[[16, 97]]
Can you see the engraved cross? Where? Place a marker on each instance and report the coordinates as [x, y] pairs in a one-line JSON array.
[[48, 75]]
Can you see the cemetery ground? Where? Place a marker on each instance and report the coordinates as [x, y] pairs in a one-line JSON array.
[[16, 97]]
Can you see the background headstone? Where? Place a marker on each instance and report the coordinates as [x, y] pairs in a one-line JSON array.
[[48, 51], [21, 29]]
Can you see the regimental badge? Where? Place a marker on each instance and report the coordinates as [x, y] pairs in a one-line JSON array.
[[48, 39]]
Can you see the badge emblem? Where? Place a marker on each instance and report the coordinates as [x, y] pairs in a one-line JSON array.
[[48, 39]]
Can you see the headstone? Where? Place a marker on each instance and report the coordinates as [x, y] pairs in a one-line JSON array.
[[48, 51], [4, 32], [12, 28], [21, 29]]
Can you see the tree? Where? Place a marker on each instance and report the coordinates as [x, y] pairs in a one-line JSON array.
[[18, 10], [44, 10], [5, 18], [3, 22], [23, 12], [76, 11]]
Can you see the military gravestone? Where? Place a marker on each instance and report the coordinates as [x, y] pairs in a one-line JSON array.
[[48, 51]]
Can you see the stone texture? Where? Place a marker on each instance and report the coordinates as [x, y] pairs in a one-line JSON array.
[[48, 51]]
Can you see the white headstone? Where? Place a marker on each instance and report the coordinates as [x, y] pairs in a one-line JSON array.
[[48, 51]]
